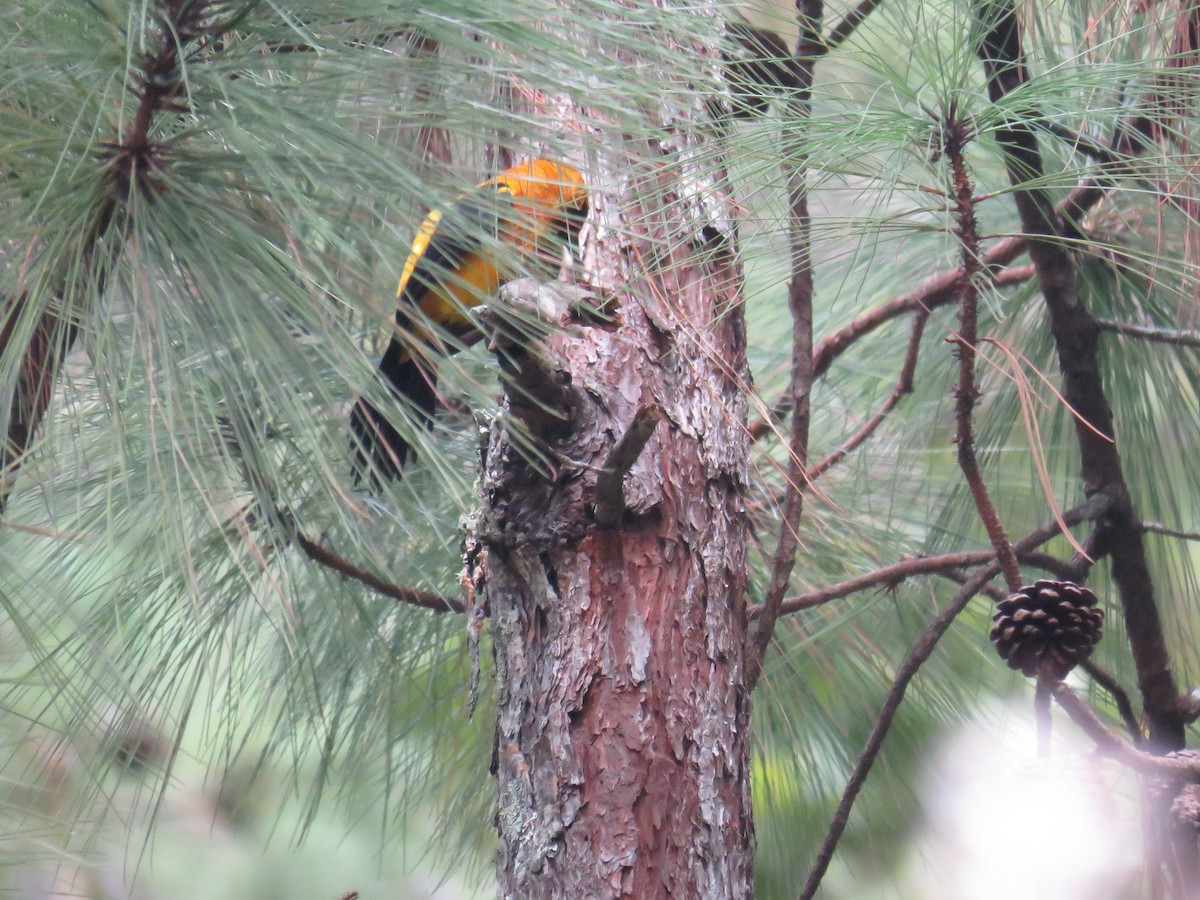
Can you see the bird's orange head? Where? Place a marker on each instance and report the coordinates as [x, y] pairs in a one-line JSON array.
[[547, 187]]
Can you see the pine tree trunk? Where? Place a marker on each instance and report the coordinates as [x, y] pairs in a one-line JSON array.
[[622, 749]]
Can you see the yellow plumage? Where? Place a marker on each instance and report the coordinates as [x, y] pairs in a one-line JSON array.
[[458, 258]]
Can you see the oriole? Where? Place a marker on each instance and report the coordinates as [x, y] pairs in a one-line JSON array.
[[459, 258]]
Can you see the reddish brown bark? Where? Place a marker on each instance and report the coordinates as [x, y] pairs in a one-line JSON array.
[[622, 737]]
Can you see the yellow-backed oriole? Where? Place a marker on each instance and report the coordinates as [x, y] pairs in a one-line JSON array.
[[459, 257]]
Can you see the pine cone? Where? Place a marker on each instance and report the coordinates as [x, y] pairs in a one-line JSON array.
[[1046, 629]]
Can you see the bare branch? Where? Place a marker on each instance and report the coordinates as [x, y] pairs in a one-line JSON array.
[[842, 31], [1187, 338], [1085, 144], [993, 592], [907, 670], [1066, 569], [1159, 528], [323, 556], [1106, 680], [893, 575], [1174, 767], [800, 297], [955, 134], [935, 291], [940, 289]]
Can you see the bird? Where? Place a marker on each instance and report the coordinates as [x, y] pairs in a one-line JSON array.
[[514, 222]]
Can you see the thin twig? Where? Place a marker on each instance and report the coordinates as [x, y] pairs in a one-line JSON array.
[[891, 576], [935, 291], [1171, 336], [993, 592], [1087, 145], [1159, 528], [907, 670], [425, 599], [1106, 680], [904, 385], [942, 288], [1116, 159], [955, 134], [283, 523], [1064, 569], [800, 297]]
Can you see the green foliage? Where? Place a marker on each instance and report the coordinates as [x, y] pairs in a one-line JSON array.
[[879, 229], [227, 262], [229, 296]]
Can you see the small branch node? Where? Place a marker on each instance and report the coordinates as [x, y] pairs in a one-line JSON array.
[[610, 490]]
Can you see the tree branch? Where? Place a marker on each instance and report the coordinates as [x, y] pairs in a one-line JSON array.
[[1171, 336], [955, 134], [1174, 767], [940, 289], [323, 556], [43, 357], [1159, 528], [917, 654], [893, 575], [1106, 680], [937, 290], [610, 490], [848, 25], [800, 296], [1076, 338], [284, 529]]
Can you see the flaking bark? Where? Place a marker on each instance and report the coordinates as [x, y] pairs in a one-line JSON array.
[[622, 736]]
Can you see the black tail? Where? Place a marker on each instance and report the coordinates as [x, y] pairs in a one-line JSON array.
[[379, 450]]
